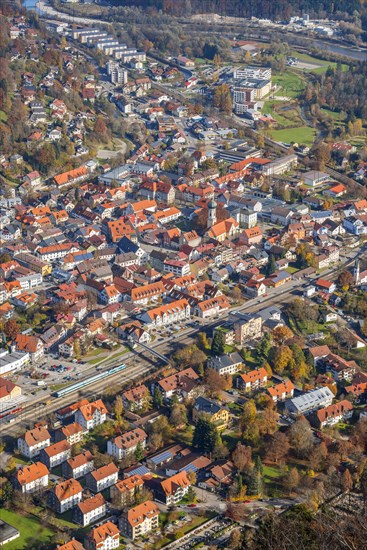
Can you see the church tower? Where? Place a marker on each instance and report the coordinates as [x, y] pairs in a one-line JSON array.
[[212, 214]]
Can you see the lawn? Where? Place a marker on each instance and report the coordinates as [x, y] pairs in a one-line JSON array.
[[230, 439], [271, 476], [292, 85], [31, 531], [304, 135], [292, 270], [311, 59], [287, 115]]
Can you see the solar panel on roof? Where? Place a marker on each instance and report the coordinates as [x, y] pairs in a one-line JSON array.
[[189, 468], [140, 470], [162, 457]]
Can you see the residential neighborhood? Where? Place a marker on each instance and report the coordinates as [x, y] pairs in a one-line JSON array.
[[183, 278]]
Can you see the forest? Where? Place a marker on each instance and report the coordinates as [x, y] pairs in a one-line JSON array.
[[282, 9]]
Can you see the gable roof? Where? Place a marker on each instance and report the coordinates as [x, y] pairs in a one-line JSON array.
[[136, 516], [67, 489], [171, 484]]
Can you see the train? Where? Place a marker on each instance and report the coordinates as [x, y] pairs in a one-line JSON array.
[[8, 413], [84, 383]]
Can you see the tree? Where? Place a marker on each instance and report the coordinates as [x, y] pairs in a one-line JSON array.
[[214, 382], [346, 481], [118, 408], [202, 340], [205, 436], [345, 280], [235, 293], [218, 343], [281, 335], [157, 398], [269, 420], [235, 539], [139, 452], [277, 447], [77, 349], [281, 358], [178, 415], [100, 127], [192, 477], [254, 482], [363, 484], [301, 437], [291, 479], [11, 329], [155, 441], [264, 346], [242, 457]]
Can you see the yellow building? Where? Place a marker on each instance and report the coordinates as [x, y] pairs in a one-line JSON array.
[[213, 411], [8, 390]]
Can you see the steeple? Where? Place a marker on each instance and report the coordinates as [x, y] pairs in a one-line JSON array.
[[212, 214]]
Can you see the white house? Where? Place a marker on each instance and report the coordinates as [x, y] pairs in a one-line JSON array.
[[127, 443], [101, 479], [33, 441], [90, 510], [32, 478], [91, 415], [65, 495]]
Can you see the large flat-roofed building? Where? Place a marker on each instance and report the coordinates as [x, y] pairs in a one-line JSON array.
[[260, 87], [263, 73], [310, 402]]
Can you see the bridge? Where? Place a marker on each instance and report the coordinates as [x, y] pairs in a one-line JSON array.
[[153, 352]]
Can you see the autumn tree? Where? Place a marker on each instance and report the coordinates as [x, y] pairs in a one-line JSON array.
[[301, 437], [242, 457], [178, 415], [345, 280], [214, 382], [11, 329], [281, 335], [269, 420], [291, 480], [118, 409], [277, 447], [346, 481], [223, 98]]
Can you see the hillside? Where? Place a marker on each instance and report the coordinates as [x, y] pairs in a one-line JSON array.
[[247, 8]]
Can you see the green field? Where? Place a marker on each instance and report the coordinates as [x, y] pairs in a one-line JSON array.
[[310, 59], [3, 116], [292, 85], [31, 532], [285, 114], [304, 135]]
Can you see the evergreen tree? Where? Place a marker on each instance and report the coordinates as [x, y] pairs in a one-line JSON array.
[[139, 452], [157, 398], [205, 436], [218, 343]]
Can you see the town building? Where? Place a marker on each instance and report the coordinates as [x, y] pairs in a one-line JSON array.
[[127, 443], [102, 478], [33, 441], [32, 478], [140, 520], [65, 495], [103, 537], [90, 510]]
